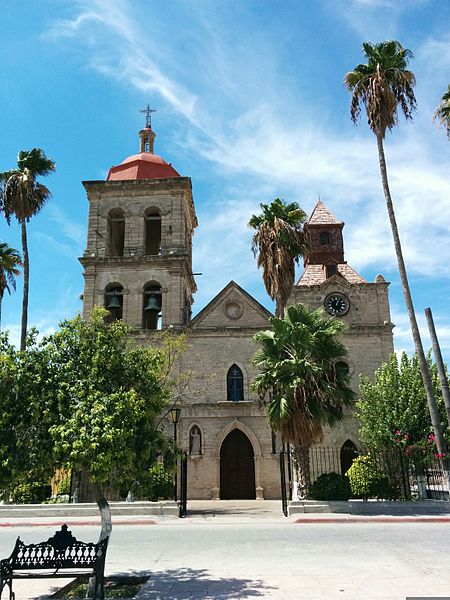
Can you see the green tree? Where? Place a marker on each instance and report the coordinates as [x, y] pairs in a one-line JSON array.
[[23, 196], [279, 242], [442, 112], [393, 411], [93, 402], [10, 262], [382, 86], [25, 444], [301, 380]]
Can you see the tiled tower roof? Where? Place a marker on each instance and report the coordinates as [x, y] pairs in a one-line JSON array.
[[321, 215]]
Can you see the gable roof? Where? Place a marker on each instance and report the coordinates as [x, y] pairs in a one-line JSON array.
[[235, 290]]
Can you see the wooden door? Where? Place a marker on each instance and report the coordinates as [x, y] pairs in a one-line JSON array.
[[237, 468]]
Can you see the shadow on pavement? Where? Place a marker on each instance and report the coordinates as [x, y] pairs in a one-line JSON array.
[[183, 583]]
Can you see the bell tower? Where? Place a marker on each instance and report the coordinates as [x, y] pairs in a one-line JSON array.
[[138, 257]]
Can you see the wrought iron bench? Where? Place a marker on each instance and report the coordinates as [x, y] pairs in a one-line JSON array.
[[60, 556]]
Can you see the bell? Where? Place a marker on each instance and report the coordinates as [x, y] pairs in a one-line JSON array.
[[114, 303], [152, 304]]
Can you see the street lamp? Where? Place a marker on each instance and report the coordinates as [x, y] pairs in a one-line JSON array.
[[175, 416]]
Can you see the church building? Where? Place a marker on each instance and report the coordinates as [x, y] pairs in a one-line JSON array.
[[138, 264]]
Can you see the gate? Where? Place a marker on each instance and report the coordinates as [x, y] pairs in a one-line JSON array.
[[183, 486]]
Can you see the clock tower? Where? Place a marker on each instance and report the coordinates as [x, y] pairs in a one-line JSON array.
[[329, 282]]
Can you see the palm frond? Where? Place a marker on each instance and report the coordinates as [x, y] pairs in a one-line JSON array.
[[442, 112], [10, 263], [382, 86], [298, 361], [278, 244]]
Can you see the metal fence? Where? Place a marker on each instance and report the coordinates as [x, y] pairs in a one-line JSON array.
[[408, 478]]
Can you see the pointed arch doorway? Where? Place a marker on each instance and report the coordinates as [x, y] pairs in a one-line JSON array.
[[237, 467]]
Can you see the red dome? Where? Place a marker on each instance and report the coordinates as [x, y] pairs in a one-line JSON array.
[[142, 166]]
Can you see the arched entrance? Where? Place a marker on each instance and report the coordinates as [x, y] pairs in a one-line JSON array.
[[237, 467]]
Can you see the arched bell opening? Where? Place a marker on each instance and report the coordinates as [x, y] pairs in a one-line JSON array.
[[237, 467], [113, 302], [152, 307], [116, 232], [348, 454], [152, 235]]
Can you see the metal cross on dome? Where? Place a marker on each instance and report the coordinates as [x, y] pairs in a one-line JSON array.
[[148, 116]]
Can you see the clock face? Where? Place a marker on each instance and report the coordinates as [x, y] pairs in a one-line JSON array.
[[336, 304]]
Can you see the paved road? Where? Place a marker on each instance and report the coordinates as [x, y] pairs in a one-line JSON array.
[[205, 557]]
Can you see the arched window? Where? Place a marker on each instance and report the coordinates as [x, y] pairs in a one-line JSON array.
[[348, 454], [152, 307], [324, 238], [116, 231], [195, 441], [152, 232], [235, 384], [113, 301]]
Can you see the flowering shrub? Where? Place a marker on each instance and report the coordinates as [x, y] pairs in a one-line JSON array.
[[422, 451]]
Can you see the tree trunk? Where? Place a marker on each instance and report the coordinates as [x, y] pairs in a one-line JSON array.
[[426, 378], [105, 531], [26, 284], [439, 362], [300, 455], [280, 309]]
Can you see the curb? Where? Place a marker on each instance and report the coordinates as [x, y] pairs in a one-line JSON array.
[[315, 520]]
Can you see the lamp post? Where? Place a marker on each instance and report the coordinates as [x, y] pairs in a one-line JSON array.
[[175, 416]]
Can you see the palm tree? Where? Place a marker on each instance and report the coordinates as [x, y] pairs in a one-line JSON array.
[[442, 112], [300, 363], [10, 262], [23, 196], [279, 242], [382, 86]]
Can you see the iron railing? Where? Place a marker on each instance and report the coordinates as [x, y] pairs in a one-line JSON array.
[[409, 478]]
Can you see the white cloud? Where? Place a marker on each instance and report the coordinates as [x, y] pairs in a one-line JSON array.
[[120, 49], [68, 227], [282, 146]]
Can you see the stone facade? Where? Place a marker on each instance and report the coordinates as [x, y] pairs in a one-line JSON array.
[[232, 451]]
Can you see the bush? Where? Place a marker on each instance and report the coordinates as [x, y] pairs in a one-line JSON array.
[[32, 492], [330, 486], [368, 481], [64, 486], [158, 483]]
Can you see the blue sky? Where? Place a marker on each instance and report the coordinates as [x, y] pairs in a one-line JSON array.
[[251, 106]]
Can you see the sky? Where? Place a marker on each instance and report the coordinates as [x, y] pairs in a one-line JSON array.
[[250, 105]]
